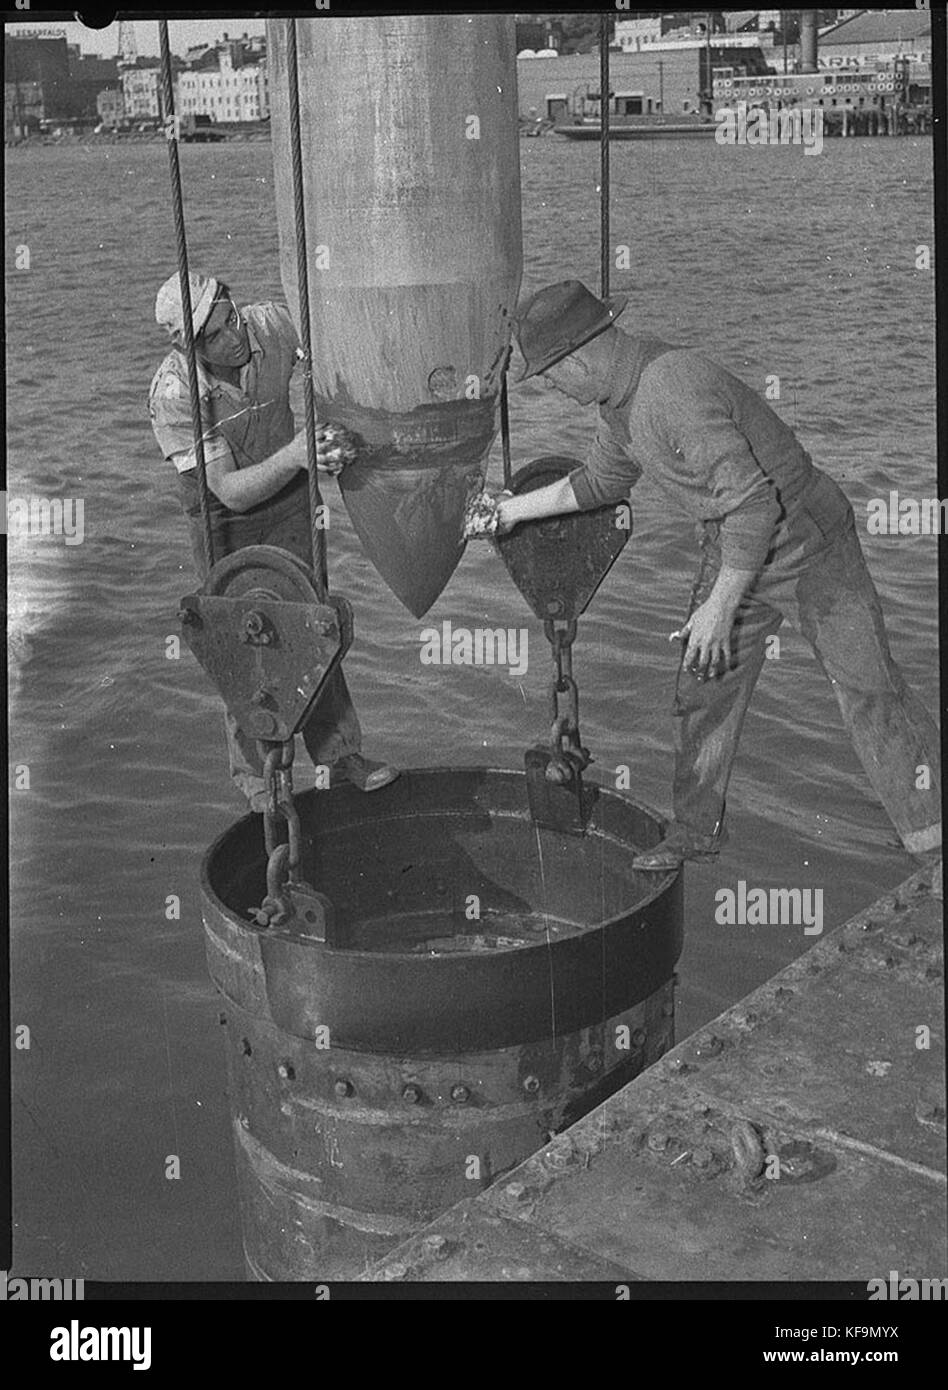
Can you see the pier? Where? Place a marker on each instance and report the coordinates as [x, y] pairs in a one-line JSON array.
[[799, 1136]]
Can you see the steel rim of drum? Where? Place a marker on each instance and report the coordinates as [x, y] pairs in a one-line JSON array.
[[265, 573], [353, 990]]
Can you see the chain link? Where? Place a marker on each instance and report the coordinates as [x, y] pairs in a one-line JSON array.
[[283, 856], [567, 753]]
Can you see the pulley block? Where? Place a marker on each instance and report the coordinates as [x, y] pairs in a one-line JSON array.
[[266, 638]]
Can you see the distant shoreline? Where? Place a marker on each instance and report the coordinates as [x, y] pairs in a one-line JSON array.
[[131, 138]]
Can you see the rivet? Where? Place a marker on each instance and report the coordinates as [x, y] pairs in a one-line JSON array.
[[531, 1083], [639, 1038], [460, 1093], [343, 1087], [412, 1094], [286, 1071]]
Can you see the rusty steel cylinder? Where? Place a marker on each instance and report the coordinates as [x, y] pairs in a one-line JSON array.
[[379, 1079], [411, 176]]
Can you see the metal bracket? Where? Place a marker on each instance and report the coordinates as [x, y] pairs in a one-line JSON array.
[[560, 562], [265, 638], [565, 806]]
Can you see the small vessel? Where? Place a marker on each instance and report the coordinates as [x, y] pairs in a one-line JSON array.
[[635, 128]]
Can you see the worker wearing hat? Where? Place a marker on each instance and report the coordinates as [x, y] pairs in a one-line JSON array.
[[257, 486], [778, 540]]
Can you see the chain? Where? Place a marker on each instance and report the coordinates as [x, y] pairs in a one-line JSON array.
[[567, 753], [283, 856]]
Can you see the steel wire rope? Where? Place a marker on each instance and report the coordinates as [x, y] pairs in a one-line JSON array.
[[171, 131], [317, 534]]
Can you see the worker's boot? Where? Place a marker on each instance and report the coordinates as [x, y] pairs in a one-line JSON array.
[[363, 773], [678, 845]]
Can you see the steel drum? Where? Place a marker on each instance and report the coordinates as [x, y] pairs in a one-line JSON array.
[[489, 982]]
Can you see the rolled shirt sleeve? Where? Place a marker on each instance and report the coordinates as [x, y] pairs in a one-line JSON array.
[[609, 472], [169, 406]]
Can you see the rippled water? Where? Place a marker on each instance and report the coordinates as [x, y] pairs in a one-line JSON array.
[[773, 262]]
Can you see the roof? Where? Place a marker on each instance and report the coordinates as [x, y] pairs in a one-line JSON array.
[[879, 26], [736, 19]]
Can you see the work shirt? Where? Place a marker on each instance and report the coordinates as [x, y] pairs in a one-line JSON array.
[[711, 444], [251, 420]]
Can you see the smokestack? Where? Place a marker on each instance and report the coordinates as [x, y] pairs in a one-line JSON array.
[[808, 61]]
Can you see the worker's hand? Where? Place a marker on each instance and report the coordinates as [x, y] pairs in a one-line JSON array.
[[708, 633], [335, 447], [505, 523]]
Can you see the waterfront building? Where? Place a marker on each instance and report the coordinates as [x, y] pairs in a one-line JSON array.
[[35, 81], [110, 105], [227, 81], [89, 75], [670, 78], [140, 86], [877, 39]]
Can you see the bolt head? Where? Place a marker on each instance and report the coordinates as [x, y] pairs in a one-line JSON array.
[[412, 1094], [286, 1071], [531, 1084], [639, 1038], [343, 1087], [460, 1094]]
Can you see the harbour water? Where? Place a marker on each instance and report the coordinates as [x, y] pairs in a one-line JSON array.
[[778, 265]]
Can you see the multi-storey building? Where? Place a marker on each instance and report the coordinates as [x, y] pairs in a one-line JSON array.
[[140, 90], [228, 83], [110, 104]]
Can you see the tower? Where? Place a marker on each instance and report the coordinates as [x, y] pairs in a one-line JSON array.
[[127, 45]]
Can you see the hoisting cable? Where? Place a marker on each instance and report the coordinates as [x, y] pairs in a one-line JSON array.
[[318, 533], [505, 431], [567, 758], [604, 156], [171, 131]]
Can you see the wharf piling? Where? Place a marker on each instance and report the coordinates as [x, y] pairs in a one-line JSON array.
[[799, 1136]]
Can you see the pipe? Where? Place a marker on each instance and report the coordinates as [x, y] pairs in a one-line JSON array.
[[808, 43]]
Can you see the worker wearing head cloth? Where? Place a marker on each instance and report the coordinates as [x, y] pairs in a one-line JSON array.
[[257, 486]]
